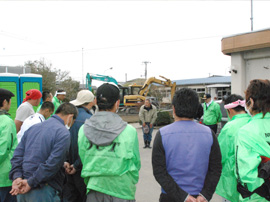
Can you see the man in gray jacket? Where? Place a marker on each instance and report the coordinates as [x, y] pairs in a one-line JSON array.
[[148, 116]]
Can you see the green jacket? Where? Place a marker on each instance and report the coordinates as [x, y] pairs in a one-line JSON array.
[[112, 169], [226, 141], [56, 102], [8, 143], [148, 115], [252, 142], [212, 114]]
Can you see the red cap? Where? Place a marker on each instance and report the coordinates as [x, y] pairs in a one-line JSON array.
[[32, 94]]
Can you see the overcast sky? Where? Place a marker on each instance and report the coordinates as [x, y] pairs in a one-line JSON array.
[[181, 39]]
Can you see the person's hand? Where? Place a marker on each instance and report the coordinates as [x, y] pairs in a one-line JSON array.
[[24, 187], [67, 167], [190, 199], [201, 199], [71, 170], [16, 185], [143, 124], [151, 125]]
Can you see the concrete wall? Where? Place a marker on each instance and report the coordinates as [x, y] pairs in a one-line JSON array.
[[250, 58], [253, 64]]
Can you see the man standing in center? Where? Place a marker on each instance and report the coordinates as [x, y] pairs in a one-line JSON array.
[[109, 151], [148, 116], [186, 156], [212, 113]]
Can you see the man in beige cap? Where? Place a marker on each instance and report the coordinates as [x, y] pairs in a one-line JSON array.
[[75, 189]]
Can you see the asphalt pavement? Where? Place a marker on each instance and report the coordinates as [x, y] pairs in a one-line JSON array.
[[148, 190]]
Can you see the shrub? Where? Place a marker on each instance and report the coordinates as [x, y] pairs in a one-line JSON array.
[[163, 118]]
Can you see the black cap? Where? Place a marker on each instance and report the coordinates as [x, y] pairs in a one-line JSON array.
[[109, 93], [206, 96], [6, 93]]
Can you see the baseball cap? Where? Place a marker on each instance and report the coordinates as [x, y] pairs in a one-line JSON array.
[[6, 93], [84, 96], [108, 93], [206, 96]]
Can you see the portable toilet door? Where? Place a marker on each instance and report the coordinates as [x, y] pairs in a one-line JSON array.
[[10, 82], [30, 81]]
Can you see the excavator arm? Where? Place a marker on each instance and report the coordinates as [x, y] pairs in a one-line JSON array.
[[99, 77], [135, 100]]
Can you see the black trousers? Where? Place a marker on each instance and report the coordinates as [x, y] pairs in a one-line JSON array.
[[213, 127], [166, 198], [74, 189]]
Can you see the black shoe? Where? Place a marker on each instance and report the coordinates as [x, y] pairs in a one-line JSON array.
[[145, 144], [148, 145]]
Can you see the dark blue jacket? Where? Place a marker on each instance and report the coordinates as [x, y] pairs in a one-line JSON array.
[[40, 156], [73, 157]]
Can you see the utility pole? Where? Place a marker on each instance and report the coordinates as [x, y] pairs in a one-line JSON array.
[[145, 63], [251, 18], [82, 67]]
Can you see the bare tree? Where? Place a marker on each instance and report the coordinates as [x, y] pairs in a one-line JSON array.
[[53, 79]]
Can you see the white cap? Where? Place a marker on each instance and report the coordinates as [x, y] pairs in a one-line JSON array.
[[83, 96]]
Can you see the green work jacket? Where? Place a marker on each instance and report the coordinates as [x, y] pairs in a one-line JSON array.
[[113, 169], [8, 143], [56, 102], [211, 114], [227, 185], [252, 142]]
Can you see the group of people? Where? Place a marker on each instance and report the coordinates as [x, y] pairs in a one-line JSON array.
[[68, 153]]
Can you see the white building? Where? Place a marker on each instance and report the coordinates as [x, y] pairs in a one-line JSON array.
[[217, 86], [250, 58]]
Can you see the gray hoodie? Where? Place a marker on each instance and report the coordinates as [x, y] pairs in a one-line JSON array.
[[103, 127]]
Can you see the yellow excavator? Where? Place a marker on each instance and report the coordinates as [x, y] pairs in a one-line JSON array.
[[137, 100]]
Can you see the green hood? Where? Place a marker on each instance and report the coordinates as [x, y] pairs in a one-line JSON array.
[[103, 127]]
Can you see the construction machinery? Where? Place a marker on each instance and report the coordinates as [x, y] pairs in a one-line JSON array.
[[137, 100], [123, 90], [99, 77]]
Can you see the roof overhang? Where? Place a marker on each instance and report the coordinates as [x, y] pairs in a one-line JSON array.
[[245, 42]]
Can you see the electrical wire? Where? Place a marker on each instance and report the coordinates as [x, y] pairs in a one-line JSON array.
[[111, 47]]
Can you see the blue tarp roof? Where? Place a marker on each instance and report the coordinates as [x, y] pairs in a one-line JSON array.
[[208, 80]]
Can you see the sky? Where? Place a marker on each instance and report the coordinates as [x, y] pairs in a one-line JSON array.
[[181, 39]]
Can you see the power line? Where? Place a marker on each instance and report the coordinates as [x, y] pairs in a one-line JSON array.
[[113, 47]]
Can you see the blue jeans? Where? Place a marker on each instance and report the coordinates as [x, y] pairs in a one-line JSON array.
[[5, 196], [148, 136], [44, 194]]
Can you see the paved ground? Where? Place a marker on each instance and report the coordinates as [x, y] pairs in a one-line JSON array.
[[148, 189]]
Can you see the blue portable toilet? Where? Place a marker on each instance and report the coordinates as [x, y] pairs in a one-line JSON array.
[[29, 81], [10, 82]]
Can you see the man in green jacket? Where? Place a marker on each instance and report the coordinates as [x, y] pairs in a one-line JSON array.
[[8, 143], [109, 151], [46, 96], [212, 113], [57, 100], [252, 144], [227, 186]]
